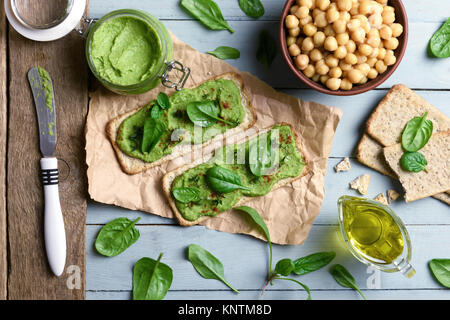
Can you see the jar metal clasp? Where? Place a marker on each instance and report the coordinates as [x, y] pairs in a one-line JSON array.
[[175, 65]]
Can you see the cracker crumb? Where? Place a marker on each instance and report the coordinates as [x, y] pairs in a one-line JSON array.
[[392, 195], [361, 183], [382, 199], [344, 165]]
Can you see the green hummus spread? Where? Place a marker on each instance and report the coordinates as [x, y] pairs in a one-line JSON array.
[[125, 50], [179, 128], [46, 84], [291, 164]]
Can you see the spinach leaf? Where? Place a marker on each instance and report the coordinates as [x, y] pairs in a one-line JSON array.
[[413, 162], [151, 279], [223, 180], [441, 271], [416, 134], [344, 278], [156, 112], [207, 265], [440, 41], [284, 267], [186, 195], [208, 13], [204, 113], [308, 291], [261, 156], [313, 262], [267, 48], [163, 100], [224, 53], [260, 222], [153, 132], [252, 8], [116, 236]]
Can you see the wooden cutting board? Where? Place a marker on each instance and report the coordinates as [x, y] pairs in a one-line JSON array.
[[28, 273]]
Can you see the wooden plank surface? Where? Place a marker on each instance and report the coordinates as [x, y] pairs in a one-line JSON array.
[[29, 274], [3, 135], [427, 220]]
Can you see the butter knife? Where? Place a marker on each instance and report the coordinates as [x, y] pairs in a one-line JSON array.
[[55, 236]]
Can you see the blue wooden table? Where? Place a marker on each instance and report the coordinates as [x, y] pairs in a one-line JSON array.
[[245, 258]]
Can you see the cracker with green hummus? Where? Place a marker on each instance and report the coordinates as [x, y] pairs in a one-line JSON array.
[[204, 201], [179, 135]]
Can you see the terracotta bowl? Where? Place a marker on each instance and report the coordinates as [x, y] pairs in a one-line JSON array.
[[400, 17]]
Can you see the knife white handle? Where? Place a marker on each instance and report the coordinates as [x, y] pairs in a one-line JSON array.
[[55, 235]]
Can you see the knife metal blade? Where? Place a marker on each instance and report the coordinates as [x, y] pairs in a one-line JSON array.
[[44, 100]]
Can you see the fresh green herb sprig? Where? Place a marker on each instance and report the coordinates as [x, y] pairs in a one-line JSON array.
[[262, 158], [224, 180], [440, 41], [186, 195], [117, 236], [208, 13], [285, 267], [205, 113], [252, 8], [441, 271], [225, 53], [414, 162], [154, 129], [207, 265], [151, 279], [344, 278]]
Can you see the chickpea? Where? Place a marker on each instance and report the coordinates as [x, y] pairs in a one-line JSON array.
[[346, 84], [300, 41], [344, 15], [380, 66], [315, 55], [358, 35], [319, 39], [332, 15], [366, 7], [316, 12], [361, 58], [340, 52], [365, 49], [309, 29], [355, 9], [374, 53], [371, 61], [390, 58], [385, 32], [294, 32], [322, 68], [306, 3], [321, 20], [293, 9], [354, 76], [309, 71], [388, 8], [373, 73], [316, 77], [302, 12], [294, 50], [351, 58], [332, 61], [291, 21], [330, 43], [374, 42], [342, 38], [335, 72], [363, 80], [388, 17], [391, 43], [291, 40], [353, 24], [329, 31], [333, 83], [339, 26], [373, 33], [375, 20], [324, 78], [397, 29], [344, 5], [305, 20], [350, 46], [381, 53], [322, 4], [307, 44], [301, 61], [384, 2], [364, 68]]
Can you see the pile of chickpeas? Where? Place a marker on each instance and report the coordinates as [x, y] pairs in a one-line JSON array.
[[342, 43]]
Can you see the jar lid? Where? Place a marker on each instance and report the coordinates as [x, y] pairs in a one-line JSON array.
[[23, 18]]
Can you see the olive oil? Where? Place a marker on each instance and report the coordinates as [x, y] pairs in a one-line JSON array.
[[371, 230]]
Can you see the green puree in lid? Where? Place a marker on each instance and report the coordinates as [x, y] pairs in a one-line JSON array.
[[224, 92], [125, 50], [291, 164]]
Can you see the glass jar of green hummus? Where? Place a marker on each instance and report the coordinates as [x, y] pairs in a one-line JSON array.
[[130, 52]]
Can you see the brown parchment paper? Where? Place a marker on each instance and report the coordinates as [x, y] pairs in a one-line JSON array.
[[289, 211]]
